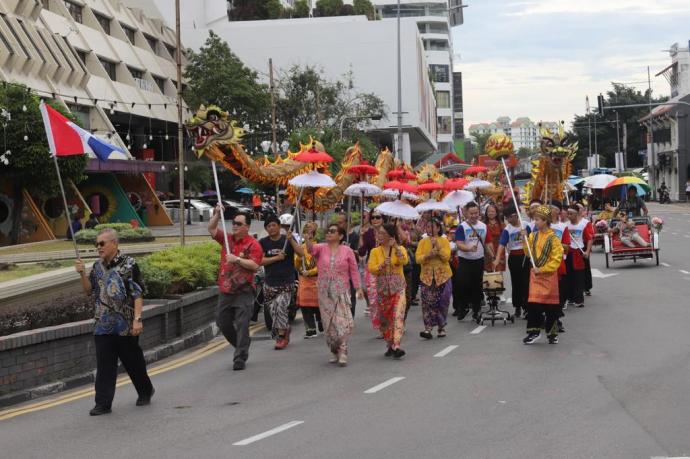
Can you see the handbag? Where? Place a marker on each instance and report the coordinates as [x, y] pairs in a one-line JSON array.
[[543, 288]]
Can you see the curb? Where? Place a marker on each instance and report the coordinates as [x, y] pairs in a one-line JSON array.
[[195, 338]]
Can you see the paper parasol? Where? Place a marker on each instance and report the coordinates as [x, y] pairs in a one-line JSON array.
[[475, 170], [455, 184], [363, 169], [362, 189], [628, 180], [395, 194], [398, 209], [400, 186], [475, 184], [312, 179], [432, 204], [599, 181], [458, 198], [430, 187], [314, 156], [401, 174]]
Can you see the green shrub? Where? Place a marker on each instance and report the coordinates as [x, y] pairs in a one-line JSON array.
[[190, 267], [156, 280], [116, 226], [88, 236]]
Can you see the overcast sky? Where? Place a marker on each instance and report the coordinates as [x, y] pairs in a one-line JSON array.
[[540, 58]]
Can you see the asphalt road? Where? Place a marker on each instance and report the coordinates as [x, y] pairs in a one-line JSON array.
[[615, 387]]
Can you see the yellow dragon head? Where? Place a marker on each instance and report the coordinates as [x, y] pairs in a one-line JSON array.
[[556, 146], [212, 125]]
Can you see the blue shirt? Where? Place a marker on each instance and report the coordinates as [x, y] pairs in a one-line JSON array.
[[115, 286]]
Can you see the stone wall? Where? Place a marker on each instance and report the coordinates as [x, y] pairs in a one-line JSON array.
[[49, 359]]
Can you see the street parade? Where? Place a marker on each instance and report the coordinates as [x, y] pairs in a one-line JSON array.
[[344, 228]]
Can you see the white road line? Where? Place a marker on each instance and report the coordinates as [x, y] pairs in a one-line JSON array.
[[665, 264], [268, 433], [664, 457], [478, 330], [446, 351], [684, 271], [384, 384], [686, 235], [674, 234]]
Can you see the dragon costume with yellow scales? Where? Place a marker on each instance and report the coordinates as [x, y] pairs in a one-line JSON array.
[[551, 170], [219, 138]]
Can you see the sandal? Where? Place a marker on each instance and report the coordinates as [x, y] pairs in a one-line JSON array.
[[441, 333]]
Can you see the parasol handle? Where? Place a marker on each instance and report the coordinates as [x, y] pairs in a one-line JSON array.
[[292, 225], [517, 208], [222, 214]]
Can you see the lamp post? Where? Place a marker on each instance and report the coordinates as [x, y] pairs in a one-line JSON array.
[[180, 131]]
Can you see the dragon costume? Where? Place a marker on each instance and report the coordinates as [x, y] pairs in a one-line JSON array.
[[553, 167], [219, 138]]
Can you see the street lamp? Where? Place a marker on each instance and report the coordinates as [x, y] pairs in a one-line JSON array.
[[375, 117]]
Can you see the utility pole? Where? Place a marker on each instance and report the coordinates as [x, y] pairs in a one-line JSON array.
[[274, 143], [618, 139], [589, 131], [399, 152], [651, 161], [180, 129]]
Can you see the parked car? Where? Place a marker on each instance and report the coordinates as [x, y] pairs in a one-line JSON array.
[[205, 210], [232, 208]]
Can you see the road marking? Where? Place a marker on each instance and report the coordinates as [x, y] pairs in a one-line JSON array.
[[674, 234], [446, 351], [665, 264], [205, 351], [664, 457], [384, 384], [478, 330], [684, 271], [598, 274], [268, 433]]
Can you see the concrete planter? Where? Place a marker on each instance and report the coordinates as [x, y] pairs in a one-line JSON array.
[[50, 359]]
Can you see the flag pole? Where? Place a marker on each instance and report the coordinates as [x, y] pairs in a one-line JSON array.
[[64, 201], [222, 214], [517, 209]]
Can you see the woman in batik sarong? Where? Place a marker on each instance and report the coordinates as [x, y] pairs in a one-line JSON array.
[[336, 269], [386, 264], [543, 305], [307, 292], [433, 254]]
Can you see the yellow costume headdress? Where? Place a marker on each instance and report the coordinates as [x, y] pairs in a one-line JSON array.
[[543, 212]]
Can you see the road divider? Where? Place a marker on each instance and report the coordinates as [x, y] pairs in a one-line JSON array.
[[268, 433], [384, 384]]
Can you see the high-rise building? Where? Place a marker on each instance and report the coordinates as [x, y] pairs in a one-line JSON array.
[[523, 131], [433, 20]]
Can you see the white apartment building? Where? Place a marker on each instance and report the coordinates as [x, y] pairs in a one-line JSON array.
[[432, 17], [335, 46], [523, 131], [112, 66]]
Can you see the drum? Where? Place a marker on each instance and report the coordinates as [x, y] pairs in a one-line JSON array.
[[493, 281]]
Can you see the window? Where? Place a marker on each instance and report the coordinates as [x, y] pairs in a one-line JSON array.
[[160, 82], [136, 73], [104, 22], [443, 99], [436, 45], [110, 68], [152, 42], [129, 32], [439, 73], [74, 10], [82, 56], [444, 125], [172, 50]]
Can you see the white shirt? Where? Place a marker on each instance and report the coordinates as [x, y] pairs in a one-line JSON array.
[[576, 230], [466, 234]]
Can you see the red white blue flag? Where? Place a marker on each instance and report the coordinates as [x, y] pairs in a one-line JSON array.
[[67, 139]]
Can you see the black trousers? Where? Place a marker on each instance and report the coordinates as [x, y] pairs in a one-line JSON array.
[[576, 282], [455, 281], [562, 290], [416, 273], [588, 275], [471, 276], [519, 267], [311, 316], [110, 348], [353, 299], [232, 317], [543, 316]]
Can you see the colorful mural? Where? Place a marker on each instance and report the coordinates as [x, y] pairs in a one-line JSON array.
[[106, 198], [34, 227], [144, 200]]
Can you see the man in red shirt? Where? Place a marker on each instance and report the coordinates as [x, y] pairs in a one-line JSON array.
[[236, 282]]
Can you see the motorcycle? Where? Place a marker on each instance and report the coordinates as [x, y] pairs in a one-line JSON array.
[[664, 197]]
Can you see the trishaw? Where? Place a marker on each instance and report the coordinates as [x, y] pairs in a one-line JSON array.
[[615, 249]]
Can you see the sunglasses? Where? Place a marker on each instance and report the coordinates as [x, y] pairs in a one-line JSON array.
[[100, 243], [332, 231], [376, 217], [236, 223]]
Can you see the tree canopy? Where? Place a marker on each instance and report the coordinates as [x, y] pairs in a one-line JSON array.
[[605, 128]]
